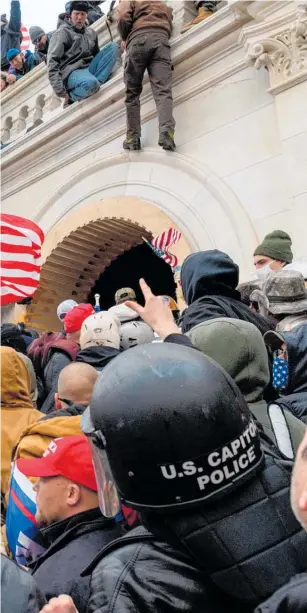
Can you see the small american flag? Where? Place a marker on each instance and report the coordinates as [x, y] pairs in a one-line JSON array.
[[161, 244], [21, 242], [26, 41]]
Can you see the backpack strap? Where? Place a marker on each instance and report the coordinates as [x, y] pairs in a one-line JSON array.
[[281, 430]]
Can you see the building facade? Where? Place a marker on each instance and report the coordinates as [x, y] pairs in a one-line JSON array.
[[239, 171]]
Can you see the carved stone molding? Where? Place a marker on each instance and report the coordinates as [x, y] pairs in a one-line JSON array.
[[283, 54]]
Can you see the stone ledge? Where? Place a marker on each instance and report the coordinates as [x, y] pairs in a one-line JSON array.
[[214, 29]]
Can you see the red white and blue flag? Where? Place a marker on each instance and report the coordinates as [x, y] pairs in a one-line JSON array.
[[161, 244], [26, 40], [21, 242], [22, 531]]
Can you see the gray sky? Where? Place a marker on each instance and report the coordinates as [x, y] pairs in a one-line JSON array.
[[41, 13]]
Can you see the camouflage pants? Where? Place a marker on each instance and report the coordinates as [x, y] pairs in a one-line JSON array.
[[149, 51]]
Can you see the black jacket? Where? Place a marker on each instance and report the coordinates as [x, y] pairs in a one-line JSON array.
[[201, 558], [98, 357], [57, 361], [19, 591], [72, 544], [296, 398], [70, 411], [141, 574], [209, 280], [291, 598]]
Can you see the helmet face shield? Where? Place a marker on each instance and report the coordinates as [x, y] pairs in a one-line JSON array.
[[107, 493]]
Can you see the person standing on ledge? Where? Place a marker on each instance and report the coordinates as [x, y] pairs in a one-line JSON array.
[[145, 28], [205, 9], [76, 65]]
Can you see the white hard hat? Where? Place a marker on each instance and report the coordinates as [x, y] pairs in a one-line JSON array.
[[135, 333]]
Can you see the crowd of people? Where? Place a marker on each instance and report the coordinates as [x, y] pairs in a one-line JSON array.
[[154, 460], [77, 67]]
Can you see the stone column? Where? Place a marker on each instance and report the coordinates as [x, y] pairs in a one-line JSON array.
[[280, 47]]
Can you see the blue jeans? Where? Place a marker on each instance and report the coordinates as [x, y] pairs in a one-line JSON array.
[[85, 82]]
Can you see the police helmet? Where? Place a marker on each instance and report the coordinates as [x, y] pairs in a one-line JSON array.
[[169, 428]]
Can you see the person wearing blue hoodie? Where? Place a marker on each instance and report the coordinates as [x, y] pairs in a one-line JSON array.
[[20, 63], [209, 280], [10, 32]]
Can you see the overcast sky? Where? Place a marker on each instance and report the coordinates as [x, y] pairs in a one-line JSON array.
[[41, 13]]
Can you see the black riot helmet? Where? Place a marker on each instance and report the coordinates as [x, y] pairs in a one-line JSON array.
[[169, 428]]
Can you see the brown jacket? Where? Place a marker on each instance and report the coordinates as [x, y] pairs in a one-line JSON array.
[[133, 16], [17, 410]]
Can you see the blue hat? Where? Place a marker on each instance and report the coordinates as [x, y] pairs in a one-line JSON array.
[[12, 53]]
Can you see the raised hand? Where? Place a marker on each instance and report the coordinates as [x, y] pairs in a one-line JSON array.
[[156, 312]]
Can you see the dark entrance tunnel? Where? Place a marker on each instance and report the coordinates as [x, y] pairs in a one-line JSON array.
[[127, 269]]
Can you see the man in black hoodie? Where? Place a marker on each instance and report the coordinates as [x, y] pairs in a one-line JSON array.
[[209, 280]]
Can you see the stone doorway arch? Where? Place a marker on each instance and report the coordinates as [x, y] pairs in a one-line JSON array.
[[79, 248]]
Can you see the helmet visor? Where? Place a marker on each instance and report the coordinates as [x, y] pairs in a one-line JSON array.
[[107, 493]]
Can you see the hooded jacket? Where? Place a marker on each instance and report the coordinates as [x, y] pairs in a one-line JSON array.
[[27, 598], [72, 544], [11, 36], [98, 356], [209, 280], [296, 397], [239, 348], [17, 412], [215, 558], [69, 49]]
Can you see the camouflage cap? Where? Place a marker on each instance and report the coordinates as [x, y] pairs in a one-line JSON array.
[[286, 292], [126, 293]]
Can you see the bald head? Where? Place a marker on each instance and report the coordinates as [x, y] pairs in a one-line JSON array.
[[76, 383]]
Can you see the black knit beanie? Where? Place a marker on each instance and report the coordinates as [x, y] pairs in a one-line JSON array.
[[276, 245], [77, 5]]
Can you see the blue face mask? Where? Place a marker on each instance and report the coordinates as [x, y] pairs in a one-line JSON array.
[[280, 373]]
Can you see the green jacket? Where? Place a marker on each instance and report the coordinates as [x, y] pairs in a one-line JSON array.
[[239, 348]]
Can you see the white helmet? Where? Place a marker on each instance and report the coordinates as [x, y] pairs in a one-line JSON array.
[[135, 333]]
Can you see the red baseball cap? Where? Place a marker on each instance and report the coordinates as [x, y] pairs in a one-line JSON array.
[[74, 319], [68, 457]]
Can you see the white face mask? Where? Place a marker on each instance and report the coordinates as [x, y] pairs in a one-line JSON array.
[[263, 272]]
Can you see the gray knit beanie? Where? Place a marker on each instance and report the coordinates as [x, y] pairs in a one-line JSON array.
[[35, 33]]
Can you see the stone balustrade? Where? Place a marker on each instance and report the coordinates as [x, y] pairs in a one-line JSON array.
[[31, 101]]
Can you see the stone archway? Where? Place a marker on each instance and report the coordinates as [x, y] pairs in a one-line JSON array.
[[81, 247]]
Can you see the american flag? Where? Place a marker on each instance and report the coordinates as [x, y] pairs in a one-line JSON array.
[[161, 244], [26, 41], [21, 241]]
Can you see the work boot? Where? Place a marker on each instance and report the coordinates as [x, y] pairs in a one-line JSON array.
[[202, 14], [132, 144], [166, 141]]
